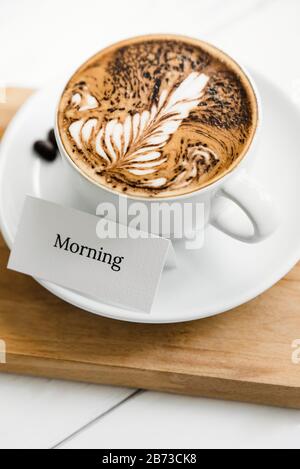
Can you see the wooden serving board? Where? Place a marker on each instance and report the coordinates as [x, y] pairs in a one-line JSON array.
[[243, 355]]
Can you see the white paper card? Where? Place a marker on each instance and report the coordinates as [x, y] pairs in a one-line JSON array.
[[61, 245]]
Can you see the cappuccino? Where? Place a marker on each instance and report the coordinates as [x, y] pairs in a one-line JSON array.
[[157, 116]]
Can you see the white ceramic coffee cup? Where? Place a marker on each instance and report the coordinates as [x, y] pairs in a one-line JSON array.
[[235, 185]]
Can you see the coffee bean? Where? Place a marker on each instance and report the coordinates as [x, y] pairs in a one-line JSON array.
[[51, 138], [45, 150]]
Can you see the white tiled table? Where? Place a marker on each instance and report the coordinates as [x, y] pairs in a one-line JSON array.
[[38, 41]]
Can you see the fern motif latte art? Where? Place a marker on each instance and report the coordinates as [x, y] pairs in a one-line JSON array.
[[136, 144], [156, 118]]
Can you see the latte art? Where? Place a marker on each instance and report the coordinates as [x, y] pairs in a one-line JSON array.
[[136, 145], [155, 118]]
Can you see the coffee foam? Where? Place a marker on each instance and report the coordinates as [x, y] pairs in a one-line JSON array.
[[157, 117]]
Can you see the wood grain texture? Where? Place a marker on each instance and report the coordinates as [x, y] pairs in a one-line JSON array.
[[243, 355]]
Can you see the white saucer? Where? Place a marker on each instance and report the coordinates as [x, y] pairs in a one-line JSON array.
[[221, 276]]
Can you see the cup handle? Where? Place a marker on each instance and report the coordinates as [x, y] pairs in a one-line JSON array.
[[255, 203]]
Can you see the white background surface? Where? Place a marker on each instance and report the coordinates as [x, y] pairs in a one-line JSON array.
[[42, 39]]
